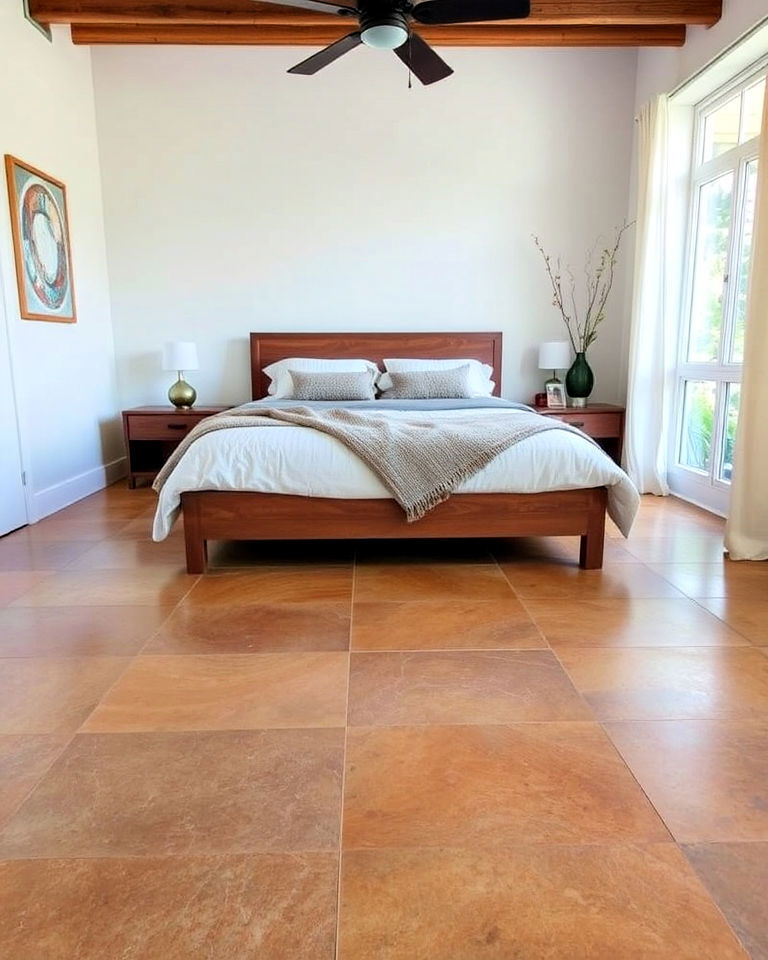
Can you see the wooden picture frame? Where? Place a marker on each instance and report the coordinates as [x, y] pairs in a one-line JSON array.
[[41, 243]]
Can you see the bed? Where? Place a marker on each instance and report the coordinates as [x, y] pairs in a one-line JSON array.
[[365, 512]]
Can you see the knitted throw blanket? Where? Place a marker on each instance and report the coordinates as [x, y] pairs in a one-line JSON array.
[[419, 461]]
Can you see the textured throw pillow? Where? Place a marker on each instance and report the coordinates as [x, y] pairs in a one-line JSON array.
[[333, 385], [480, 383], [281, 383], [429, 384]]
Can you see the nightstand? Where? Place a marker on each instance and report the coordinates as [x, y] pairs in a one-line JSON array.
[[603, 422], [153, 433]]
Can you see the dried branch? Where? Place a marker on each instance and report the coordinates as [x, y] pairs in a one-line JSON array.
[[598, 282]]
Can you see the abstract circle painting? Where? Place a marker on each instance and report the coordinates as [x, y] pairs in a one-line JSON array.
[[41, 243], [45, 253]]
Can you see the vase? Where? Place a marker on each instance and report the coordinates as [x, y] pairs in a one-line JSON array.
[[579, 381]]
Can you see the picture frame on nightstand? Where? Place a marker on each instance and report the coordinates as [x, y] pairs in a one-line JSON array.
[[556, 396]]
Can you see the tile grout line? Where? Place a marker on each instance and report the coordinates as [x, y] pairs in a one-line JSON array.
[[17, 807], [344, 758]]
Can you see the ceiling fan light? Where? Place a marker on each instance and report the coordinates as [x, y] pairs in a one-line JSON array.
[[384, 36]]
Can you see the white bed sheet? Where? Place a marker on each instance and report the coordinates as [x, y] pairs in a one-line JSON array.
[[286, 459]]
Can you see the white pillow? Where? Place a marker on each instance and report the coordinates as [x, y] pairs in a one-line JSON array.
[[281, 387], [480, 383]]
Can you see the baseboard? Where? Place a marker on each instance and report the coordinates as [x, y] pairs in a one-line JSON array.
[[697, 503], [60, 495]]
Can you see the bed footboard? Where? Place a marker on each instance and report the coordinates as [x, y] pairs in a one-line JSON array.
[[221, 515]]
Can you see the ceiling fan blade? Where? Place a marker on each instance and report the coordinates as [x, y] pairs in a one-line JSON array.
[[469, 11], [319, 6], [323, 57], [422, 60]]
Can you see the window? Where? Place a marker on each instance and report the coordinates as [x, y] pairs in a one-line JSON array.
[[711, 346]]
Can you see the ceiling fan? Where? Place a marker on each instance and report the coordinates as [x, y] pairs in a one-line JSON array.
[[386, 25]]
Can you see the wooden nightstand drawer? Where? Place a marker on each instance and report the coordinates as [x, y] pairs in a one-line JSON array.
[[161, 428], [602, 421], [595, 424]]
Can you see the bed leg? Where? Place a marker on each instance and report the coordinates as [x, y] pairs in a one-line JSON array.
[[197, 554], [591, 551], [194, 541]]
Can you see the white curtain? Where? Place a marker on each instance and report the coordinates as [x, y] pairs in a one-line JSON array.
[[746, 533], [651, 352]]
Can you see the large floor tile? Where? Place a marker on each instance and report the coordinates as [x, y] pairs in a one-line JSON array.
[[22, 553], [130, 554], [747, 615], [707, 778], [671, 684], [105, 505], [227, 692], [499, 686], [549, 581], [146, 794], [90, 528], [289, 583], [77, 631], [17, 583], [23, 760], [736, 875], [47, 695], [443, 625], [682, 549], [254, 628], [555, 902], [630, 622], [429, 581], [490, 786], [226, 908], [724, 579], [145, 586]]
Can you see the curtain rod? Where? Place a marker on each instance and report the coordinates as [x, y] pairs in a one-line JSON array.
[[716, 59]]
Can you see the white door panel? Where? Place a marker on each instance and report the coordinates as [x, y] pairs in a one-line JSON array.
[[13, 506]]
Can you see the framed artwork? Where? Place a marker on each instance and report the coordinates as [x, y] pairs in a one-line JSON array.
[[41, 245], [555, 396]]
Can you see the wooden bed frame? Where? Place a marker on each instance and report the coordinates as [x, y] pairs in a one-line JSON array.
[[221, 515]]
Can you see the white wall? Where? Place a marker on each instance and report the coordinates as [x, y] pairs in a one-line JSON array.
[[661, 69], [239, 198], [64, 373]]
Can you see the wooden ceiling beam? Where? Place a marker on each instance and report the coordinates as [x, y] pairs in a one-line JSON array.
[[475, 35], [246, 12]]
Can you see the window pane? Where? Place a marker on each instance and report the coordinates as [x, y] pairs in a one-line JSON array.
[[698, 418], [721, 128], [713, 229], [752, 111], [745, 252], [733, 396]]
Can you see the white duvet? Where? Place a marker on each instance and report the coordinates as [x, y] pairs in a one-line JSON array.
[[282, 458]]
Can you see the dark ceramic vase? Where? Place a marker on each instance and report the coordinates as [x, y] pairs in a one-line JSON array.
[[579, 381]]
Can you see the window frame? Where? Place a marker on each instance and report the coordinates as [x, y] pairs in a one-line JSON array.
[[707, 487]]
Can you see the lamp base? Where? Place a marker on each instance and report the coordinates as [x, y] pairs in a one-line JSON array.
[[577, 401], [182, 395]]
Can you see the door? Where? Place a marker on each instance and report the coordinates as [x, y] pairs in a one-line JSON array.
[[13, 504]]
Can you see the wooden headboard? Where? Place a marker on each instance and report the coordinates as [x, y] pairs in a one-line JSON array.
[[266, 348]]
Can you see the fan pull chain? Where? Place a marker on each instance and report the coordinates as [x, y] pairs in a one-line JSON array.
[[410, 85]]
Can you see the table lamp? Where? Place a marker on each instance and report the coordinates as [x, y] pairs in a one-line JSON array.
[[181, 355], [554, 355]]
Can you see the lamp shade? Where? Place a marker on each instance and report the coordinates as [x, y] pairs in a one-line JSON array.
[[180, 355], [554, 355]]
